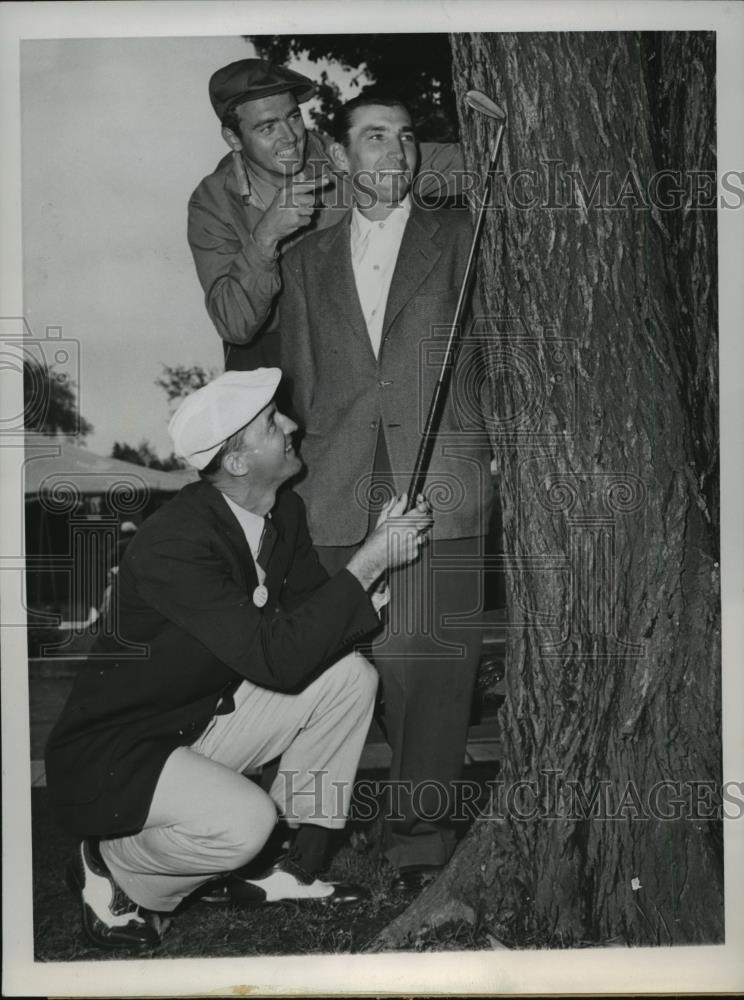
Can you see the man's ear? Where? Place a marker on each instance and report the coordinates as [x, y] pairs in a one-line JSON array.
[[231, 139], [234, 464], [339, 157]]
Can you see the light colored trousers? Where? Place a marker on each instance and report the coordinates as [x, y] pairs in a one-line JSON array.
[[206, 818]]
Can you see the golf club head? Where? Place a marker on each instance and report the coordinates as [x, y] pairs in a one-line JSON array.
[[484, 105]]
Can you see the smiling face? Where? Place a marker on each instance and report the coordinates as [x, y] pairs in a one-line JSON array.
[[272, 136], [265, 453], [379, 154]]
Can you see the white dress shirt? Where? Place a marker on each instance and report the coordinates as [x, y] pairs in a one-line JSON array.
[[374, 252], [253, 526]]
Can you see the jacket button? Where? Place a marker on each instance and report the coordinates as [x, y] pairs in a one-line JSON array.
[[373, 425]]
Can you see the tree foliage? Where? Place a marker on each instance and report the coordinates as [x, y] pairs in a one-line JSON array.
[[177, 381], [145, 454], [50, 401], [417, 68]]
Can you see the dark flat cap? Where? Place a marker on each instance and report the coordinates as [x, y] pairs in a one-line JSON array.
[[251, 79]]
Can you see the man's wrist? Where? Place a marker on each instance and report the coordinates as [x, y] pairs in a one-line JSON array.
[[364, 568], [266, 247]]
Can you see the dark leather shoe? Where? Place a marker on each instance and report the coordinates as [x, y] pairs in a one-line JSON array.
[[110, 918], [284, 880], [413, 878]]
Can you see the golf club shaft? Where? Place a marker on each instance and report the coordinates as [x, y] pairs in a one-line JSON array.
[[439, 396]]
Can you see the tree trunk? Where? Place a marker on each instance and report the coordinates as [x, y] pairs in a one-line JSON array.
[[603, 364]]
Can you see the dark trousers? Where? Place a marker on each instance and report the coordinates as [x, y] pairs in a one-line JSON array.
[[427, 664]]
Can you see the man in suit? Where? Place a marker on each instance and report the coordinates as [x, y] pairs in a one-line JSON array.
[[276, 185], [233, 647], [363, 319]]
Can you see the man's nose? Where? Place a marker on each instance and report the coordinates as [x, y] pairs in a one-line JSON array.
[[286, 131], [287, 424]]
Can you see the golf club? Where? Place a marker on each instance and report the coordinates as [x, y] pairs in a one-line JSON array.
[[482, 105]]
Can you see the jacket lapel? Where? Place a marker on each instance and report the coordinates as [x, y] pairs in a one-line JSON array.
[[418, 254], [276, 569], [232, 533], [277, 559], [336, 280]]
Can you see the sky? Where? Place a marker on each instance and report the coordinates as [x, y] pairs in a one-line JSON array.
[[116, 134]]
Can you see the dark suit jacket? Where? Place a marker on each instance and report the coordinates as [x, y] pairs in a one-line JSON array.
[[186, 593], [342, 394]]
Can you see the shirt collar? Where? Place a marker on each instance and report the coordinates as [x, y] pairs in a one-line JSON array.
[[397, 218], [252, 524], [361, 227]]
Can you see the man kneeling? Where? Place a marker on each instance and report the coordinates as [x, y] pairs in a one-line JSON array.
[[228, 646]]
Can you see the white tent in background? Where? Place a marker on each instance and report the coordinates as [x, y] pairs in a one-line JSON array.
[[52, 461]]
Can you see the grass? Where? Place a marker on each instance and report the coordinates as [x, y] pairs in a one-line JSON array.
[[201, 930]]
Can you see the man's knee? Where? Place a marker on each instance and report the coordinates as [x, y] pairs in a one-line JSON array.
[[363, 677], [348, 686], [246, 824]]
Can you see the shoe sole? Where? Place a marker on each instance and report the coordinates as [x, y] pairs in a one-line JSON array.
[[255, 904], [249, 902]]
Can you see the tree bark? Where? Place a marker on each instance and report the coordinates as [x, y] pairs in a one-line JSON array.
[[603, 364]]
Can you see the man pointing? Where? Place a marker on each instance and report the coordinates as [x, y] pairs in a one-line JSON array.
[[277, 184]]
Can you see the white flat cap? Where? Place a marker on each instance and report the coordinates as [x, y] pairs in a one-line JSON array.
[[210, 415]]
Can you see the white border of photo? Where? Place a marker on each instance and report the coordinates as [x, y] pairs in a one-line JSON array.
[[679, 970]]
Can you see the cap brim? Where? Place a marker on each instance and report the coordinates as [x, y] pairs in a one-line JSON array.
[[301, 92], [201, 459]]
